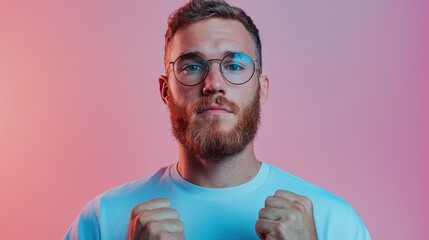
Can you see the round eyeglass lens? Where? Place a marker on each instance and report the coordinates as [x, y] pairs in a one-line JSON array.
[[237, 68], [190, 69]]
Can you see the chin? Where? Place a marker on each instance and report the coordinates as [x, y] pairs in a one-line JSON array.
[[215, 123]]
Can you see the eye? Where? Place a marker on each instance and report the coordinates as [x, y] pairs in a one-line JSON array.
[[192, 68], [233, 66]]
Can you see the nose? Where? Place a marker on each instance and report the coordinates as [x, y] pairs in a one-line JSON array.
[[214, 82]]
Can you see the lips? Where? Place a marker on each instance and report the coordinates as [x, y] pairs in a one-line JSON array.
[[215, 105], [215, 108]]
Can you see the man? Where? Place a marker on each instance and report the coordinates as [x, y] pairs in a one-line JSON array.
[[218, 189]]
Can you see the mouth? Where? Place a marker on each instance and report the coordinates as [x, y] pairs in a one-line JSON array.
[[214, 109]]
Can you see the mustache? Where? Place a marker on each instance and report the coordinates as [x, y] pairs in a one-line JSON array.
[[218, 100]]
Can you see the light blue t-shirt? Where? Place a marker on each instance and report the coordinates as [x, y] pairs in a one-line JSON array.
[[214, 213]]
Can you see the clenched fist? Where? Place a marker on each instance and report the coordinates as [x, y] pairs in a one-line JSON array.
[[155, 219], [286, 215]]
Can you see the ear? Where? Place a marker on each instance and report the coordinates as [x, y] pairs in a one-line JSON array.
[[163, 89], [264, 84]]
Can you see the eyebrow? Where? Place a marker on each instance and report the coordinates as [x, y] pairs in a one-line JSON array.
[[202, 54], [191, 52]]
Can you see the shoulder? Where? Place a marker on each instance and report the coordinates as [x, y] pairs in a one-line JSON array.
[[110, 210], [329, 209], [86, 225], [136, 186], [283, 179], [127, 195], [296, 184]]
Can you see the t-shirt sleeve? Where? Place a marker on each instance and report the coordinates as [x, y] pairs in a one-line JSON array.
[[86, 225], [354, 228], [361, 230], [340, 222]]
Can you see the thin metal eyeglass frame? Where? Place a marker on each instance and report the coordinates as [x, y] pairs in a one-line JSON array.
[[207, 62]]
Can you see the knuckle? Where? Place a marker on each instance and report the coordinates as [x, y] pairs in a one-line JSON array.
[[304, 199], [280, 229], [259, 225], [280, 192], [300, 207], [180, 225], [141, 218], [294, 216], [306, 203], [134, 211], [278, 226], [151, 227], [163, 200], [268, 200], [179, 237], [163, 235], [261, 213], [174, 213]]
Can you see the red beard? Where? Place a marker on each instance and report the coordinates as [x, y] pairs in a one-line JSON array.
[[205, 139]]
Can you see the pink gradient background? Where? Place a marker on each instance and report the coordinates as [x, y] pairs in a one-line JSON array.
[[80, 110]]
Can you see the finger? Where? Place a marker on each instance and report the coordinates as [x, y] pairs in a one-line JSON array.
[[172, 235], [159, 214], [150, 205], [267, 229], [150, 222], [271, 213], [278, 202], [293, 197], [155, 228]]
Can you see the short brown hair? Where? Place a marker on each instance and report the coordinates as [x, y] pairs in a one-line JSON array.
[[197, 10]]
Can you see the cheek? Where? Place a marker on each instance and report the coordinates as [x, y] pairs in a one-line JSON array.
[[183, 95], [248, 94]]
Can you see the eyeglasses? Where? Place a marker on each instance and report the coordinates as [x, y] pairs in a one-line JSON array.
[[191, 69]]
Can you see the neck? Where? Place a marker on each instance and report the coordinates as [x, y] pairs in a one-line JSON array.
[[231, 171]]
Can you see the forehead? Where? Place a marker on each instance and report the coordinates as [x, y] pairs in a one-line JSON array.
[[212, 38]]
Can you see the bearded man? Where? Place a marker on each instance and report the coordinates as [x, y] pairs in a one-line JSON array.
[[218, 189]]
